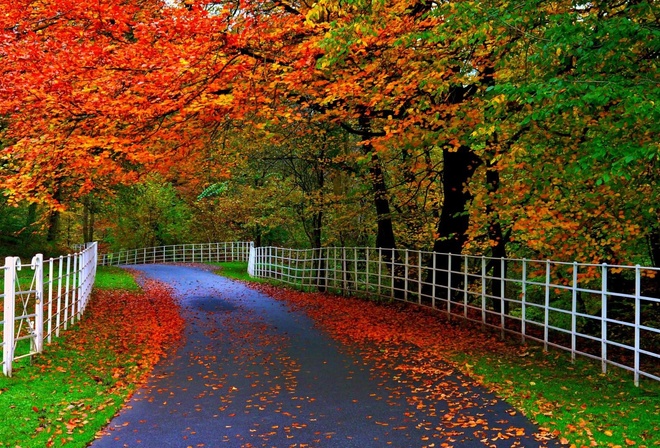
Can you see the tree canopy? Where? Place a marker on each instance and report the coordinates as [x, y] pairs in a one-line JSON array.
[[485, 127]]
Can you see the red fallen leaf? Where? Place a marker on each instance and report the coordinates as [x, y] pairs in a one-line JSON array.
[[630, 442], [35, 409]]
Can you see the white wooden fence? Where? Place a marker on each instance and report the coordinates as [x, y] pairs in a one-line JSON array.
[[41, 298], [181, 253], [609, 313]]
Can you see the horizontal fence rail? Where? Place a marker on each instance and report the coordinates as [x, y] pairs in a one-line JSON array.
[[42, 298], [181, 253], [605, 312]]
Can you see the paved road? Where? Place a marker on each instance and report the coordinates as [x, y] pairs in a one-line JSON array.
[[252, 373]]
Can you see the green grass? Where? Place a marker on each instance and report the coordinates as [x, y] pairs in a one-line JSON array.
[[110, 277], [236, 270], [574, 398], [61, 395], [582, 406], [107, 277], [57, 398]]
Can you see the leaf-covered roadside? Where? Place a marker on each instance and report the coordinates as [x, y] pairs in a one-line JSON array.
[[571, 401], [73, 389]]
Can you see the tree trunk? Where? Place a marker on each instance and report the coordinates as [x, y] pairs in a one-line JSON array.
[[26, 234], [497, 240], [54, 219], [257, 236], [654, 245], [53, 226], [88, 220], [459, 166], [385, 238]]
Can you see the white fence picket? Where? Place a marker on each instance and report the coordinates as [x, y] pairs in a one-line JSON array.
[[180, 253], [40, 316]]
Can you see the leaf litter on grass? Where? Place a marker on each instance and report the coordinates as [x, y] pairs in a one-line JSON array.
[[70, 391]]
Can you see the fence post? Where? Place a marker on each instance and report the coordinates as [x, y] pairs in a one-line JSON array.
[[523, 299], [449, 257], [483, 289], [66, 291], [574, 311], [433, 281], [546, 310], [82, 257], [316, 261], [465, 286], [368, 279], [38, 268], [392, 273], [251, 261], [74, 289], [603, 320], [58, 319], [296, 267], [344, 271], [355, 272], [405, 277], [504, 303], [380, 269], [638, 321], [50, 300], [82, 281], [11, 265], [419, 277]]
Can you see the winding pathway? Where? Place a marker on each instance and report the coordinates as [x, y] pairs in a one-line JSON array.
[[252, 373]]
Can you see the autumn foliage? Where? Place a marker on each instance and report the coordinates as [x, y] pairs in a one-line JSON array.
[[483, 127]]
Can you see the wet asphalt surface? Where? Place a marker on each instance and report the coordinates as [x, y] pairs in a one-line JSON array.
[[252, 373]]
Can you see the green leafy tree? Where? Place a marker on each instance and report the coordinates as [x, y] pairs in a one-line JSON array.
[[149, 214]]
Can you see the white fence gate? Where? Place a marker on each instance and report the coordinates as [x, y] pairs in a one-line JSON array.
[[41, 298], [180, 253], [609, 313]]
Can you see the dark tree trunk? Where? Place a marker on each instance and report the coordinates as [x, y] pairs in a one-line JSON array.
[[85, 220], [53, 225], [54, 220], [318, 217], [459, 166], [26, 234], [654, 246], [319, 264], [88, 220], [385, 233], [257, 236], [497, 240], [385, 238]]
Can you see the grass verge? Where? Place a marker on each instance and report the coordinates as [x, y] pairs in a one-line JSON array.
[[114, 278], [573, 401], [237, 270], [67, 394]]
